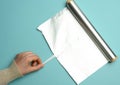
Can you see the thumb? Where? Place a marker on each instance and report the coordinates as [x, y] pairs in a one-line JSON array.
[[36, 67]]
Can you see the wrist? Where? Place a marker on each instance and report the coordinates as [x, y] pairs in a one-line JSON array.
[[13, 72]]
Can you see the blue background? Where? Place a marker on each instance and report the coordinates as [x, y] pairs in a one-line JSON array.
[[19, 20]]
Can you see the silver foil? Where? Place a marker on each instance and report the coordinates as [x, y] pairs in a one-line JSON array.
[[90, 30]]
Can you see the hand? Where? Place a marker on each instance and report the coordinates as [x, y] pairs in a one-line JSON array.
[[28, 62]]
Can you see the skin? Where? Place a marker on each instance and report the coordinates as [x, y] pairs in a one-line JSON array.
[[28, 62]]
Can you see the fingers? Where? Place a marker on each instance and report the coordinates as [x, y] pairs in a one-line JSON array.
[[28, 62], [29, 57], [23, 54], [35, 59], [36, 67], [35, 62]]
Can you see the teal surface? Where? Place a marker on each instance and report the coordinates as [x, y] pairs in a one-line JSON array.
[[19, 20]]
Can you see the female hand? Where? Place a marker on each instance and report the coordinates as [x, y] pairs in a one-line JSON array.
[[28, 62]]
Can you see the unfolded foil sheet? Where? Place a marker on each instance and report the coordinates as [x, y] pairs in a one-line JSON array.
[[73, 48]]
